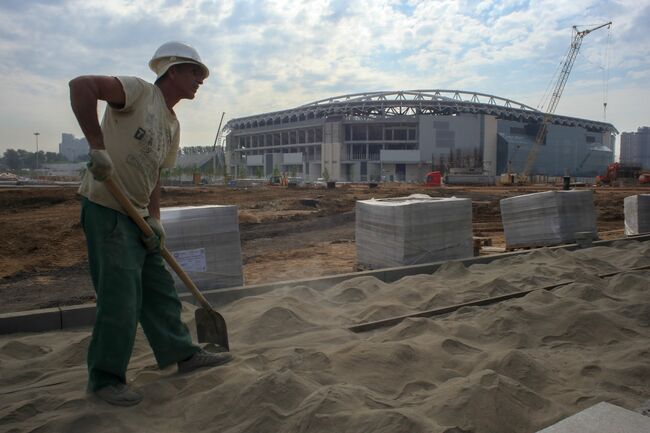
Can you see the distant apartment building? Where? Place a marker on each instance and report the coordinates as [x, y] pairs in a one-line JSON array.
[[635, 147], [72, 148]]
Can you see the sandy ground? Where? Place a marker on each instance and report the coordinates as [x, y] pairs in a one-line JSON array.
[[517, 366], [43, 256]]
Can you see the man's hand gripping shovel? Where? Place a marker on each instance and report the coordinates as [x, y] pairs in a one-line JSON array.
[[210, 325]]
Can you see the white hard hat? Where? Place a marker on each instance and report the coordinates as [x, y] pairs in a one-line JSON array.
[[174, 53]]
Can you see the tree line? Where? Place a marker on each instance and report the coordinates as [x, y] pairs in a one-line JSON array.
[[20, 159]]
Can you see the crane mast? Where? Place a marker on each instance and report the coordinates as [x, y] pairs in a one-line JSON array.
[[567, 65], [214, 149]]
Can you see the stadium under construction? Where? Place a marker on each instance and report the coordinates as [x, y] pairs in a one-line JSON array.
[[401, 135]]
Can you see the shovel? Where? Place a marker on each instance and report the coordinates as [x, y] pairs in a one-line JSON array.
[[210, 325]]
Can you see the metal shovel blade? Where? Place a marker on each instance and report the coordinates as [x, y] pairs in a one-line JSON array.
[[211, 328]]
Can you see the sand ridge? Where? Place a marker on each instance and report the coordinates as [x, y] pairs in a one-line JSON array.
[[516, 366]]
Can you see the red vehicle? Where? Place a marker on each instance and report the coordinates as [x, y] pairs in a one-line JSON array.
[[618, 172], [434, 178], [644, 179]]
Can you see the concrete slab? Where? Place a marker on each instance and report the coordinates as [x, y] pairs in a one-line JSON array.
[[45, 319], [602, 418], [395, 274], [636, 209], [76, 316], [220, 297], [51, 319]]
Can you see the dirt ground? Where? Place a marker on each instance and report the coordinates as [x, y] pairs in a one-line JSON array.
[[286, 233]]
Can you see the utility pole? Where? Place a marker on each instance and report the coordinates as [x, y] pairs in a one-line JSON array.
[[36, 134], [214, 149]]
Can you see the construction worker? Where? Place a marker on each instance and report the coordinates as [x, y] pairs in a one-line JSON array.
[[139, 136]]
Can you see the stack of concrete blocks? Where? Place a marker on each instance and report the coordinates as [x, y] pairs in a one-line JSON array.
[[548, 218], [637, 214], [412, 230], [205, 242]]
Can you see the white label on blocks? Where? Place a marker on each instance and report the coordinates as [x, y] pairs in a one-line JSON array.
[[191, 260]]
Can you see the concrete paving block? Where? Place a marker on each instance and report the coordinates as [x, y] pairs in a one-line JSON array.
[[602, 418], [206, 243], [46, 319], [547, 218], [76, 316], [412, 230], [636, 209]]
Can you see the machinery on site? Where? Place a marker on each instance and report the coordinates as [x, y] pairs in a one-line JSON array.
[[277, 180], [565, 70], [623, 174], [434, 178]]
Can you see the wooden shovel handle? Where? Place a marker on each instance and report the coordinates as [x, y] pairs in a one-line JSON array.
[[164, 252]]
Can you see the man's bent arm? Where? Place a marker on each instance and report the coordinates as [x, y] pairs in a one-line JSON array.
[[85, 91]]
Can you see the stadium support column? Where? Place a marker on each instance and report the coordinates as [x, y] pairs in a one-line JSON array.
[[228, 154], [489, 141], [331, 152]]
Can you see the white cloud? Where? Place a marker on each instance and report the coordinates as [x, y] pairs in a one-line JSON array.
[[273, 55]]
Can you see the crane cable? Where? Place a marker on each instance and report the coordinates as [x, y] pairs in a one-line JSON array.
[[606, 74]]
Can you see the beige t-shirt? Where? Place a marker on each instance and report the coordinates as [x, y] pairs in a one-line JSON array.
[[140, 138]]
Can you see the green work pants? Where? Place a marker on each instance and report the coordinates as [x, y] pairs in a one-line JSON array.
[[132, 286]]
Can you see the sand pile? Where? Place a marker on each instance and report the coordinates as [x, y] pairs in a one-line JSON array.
[[517, 366]]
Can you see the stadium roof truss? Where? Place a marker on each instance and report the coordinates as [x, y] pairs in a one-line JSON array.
[[412, 102]]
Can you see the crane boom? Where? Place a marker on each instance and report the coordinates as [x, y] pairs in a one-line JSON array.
[[567, 65]]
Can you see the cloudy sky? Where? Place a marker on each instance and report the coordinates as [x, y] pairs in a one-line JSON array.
[[272, 55]]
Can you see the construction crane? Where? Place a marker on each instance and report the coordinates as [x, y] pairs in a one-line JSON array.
[[567, 65], [214, 149]]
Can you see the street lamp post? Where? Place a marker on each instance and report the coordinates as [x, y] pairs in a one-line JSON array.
[[37, 134]]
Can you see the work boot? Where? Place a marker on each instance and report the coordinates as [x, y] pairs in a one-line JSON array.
[[202, 359], [119, 395]]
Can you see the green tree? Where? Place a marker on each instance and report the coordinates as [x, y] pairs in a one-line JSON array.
[[241, 172], [326, 174], [27, 159], [258, 172], [12, 159]]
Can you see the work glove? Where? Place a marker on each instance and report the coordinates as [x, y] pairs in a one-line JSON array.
[[100, 164], [155, 242]]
